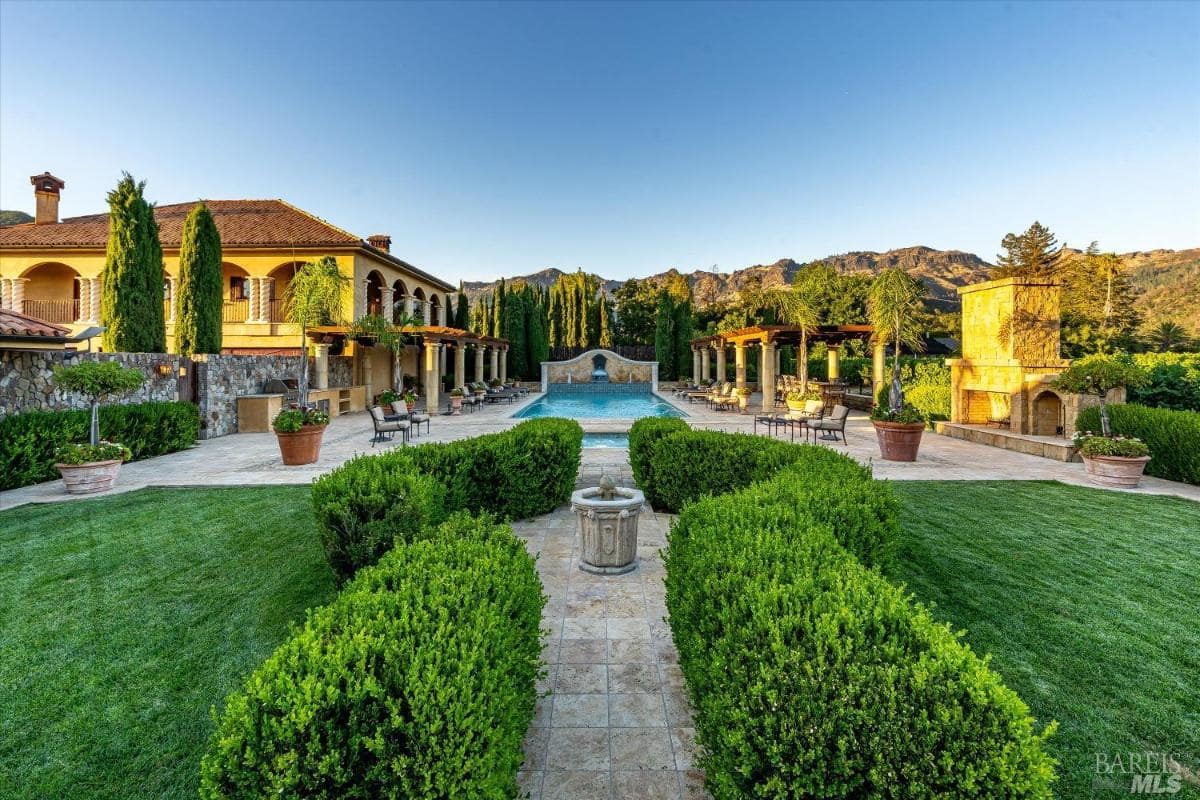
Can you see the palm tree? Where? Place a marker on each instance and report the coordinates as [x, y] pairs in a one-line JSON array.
[[395, 337], [314, 297], [894, 304], [792, 307], [1167, 336]]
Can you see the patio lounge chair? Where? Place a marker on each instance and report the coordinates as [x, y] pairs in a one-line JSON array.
[[386, 428], [832, 425]]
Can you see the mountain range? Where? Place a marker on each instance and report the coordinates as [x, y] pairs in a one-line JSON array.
[[1168, 281]]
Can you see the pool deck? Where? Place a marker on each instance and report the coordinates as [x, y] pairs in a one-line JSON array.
[[249, 459]]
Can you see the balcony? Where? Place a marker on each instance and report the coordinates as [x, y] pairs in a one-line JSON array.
[[62, 312]]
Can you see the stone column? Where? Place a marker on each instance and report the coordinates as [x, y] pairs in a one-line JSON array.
[[878, 365], [85, 300], [766, 373], [360, 300], [93, 312], [695, 364], [460, 364], [408, 305], [705, 372], [504, 365], [17, 295], [364, 358], [321, 367], [264, 299], [441, 361], [778, 361], [495, 363], [425, 312], [739, 363], [834, 371], [480, 352], [721, 363], [6, 293], [385, 300], [432, 401], [172, 295]]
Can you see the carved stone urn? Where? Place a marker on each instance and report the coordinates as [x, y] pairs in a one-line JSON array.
[[608, 518]]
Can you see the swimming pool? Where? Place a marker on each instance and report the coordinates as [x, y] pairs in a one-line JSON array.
[[599, 401], [606, 441]]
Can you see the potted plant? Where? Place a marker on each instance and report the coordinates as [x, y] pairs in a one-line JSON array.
[[388, 396], [299, 432], [1109, 460], [895, 303], [743, 397], [456, 401], [796, 398], [314, 296], [494, 383], [93, 467], [365, 329], [480, 389], [1112, 460], [410, 400]]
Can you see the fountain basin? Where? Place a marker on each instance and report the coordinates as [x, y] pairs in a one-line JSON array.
[[608, 519]]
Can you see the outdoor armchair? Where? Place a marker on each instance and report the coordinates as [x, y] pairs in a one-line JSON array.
[[832, 425], [386, 428]]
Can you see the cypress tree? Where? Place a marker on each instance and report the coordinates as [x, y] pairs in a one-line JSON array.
[[514, 331], [604, 338], [462, 315], [498, 309], [131, 294], [664, 338], [682, 335], [198, 305]]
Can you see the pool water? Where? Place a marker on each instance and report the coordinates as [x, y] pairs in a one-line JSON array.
[[606, 441], [603, 401]]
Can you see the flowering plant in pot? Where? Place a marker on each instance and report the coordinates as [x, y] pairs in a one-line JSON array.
[[1110, 460], [796, 398], [410, 399], [92, 467], [743, 397], [456, 400], [895, 304], [299, 432], [387, 397]]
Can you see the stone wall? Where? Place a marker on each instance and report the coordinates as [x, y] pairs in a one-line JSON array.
[[27, 379], [619, 368]]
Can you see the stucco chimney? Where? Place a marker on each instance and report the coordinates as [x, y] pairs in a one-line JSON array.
[[45, 190], [380, 241]]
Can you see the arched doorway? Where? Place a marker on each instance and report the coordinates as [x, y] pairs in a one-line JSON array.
[[281, 278], [51, 293], [375, 286], [399, 295], [237, 294], [435, 310], [1048, 415]]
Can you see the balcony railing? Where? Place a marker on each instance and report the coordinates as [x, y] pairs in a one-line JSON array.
[[277, 311], [59, 311], [235, 311]]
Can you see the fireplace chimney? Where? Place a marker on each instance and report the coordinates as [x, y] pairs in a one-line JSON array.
[[380, 241], [45, 190]]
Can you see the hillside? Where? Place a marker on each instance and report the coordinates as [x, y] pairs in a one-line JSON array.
[[1169, 281], [14, 218]]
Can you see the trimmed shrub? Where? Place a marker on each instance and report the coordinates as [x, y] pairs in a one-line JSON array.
[[812, 676], [418, 681], [1174, 381], [370, 502], [642, 436], [1172, 436], [28, 441]]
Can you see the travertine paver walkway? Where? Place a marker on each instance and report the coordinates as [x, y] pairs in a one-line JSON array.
[[616, 723]]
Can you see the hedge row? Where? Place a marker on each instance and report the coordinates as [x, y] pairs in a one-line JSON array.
[[29, 441], [1174, 381], [418, 681], [1172, 436], [811, 674], [370, 502]]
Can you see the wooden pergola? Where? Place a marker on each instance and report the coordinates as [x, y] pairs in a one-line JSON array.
[[768, 339], [436, 341]]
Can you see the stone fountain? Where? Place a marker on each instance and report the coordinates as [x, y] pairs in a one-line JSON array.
[[608, 519]]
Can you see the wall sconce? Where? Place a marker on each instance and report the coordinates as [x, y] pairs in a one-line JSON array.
[[164, 369]]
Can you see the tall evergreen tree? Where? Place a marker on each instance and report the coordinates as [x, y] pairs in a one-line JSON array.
[[539, 338], [604, 337], [1032, 254], [514, 332], [1098, 311], [462, 314], [664, 338], [131, 295], [681, 318], [198, 304], [498, 309]]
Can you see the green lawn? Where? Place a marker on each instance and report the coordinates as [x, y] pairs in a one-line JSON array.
[[1087, 600], [124, 620]]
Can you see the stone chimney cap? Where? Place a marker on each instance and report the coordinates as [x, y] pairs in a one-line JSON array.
[[380, 241], [47, 182]]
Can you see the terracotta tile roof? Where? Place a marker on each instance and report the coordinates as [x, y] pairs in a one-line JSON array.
[[14, 324], [242, 223]]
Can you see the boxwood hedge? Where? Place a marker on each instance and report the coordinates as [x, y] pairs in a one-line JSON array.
[[371, 501], [29, 440], [1172, 436], [417, 681], [811, 674], [644, 433]]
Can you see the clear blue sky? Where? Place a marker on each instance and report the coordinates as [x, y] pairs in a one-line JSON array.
[[624, 138]]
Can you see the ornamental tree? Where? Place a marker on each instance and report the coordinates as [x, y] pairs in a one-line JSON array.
[[1098, 375], [314, 297], [198, 304], [131, 294], [98, 381], [894, 304]]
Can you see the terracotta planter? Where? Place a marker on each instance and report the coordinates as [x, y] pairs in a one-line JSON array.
[[1116, 471], [301, 447], [795, 405], [97, 476], [410, 406], [743, 402], [898, 441], [456, 404]]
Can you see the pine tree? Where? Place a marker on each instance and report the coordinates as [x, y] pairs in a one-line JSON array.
[[664, 338], [198, 304], [131, 295], [1033, 254]]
